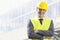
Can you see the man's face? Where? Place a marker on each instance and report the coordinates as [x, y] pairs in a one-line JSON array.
[[41, 12]]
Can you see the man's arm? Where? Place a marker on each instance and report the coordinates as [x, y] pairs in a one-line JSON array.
[[50, 32], [31, 33]]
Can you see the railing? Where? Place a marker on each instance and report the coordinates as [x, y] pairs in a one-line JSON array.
[[56, 34]]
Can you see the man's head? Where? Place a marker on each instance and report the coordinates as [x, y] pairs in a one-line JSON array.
[[42, 7]]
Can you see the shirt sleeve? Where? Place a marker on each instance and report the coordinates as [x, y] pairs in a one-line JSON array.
[[31, 33], [50, 32]]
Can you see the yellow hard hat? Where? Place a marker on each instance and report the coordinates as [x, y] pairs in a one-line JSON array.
[[42, 5]]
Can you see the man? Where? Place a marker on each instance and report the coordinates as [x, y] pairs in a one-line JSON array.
[[41, 28]]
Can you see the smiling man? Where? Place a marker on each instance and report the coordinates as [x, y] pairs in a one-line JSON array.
[[41, 28]]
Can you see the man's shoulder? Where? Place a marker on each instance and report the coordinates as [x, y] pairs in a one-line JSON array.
[[48, 18]]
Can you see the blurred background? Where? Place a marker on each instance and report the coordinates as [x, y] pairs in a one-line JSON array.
[[15, 14]]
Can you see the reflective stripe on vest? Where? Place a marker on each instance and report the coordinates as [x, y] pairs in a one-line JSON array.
[[37, 25]]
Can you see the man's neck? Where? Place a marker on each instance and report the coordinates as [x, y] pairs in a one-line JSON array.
[[40, 17]]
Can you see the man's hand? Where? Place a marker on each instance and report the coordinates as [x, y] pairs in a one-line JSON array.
[[36, 31]]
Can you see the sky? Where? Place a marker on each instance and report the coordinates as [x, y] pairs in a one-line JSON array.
[[8, 5]]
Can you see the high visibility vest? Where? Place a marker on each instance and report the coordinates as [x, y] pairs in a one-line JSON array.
[[45, 26]]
